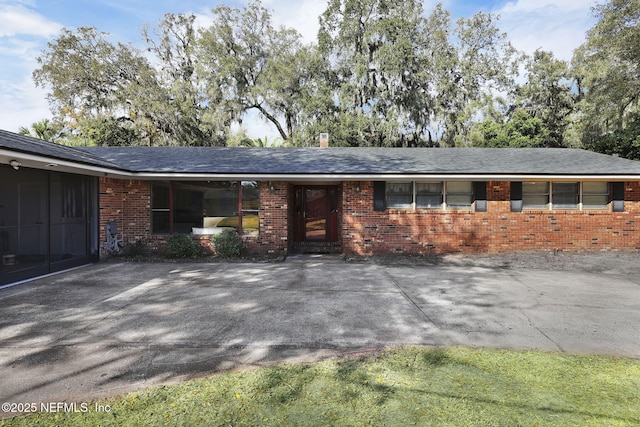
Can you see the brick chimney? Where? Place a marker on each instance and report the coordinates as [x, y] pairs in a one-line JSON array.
[[324, 140]]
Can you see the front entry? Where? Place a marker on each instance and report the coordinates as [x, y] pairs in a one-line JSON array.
[[316, 215]]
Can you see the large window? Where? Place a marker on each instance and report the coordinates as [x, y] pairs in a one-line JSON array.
[[429, 195], [181, 207], [565, 195]]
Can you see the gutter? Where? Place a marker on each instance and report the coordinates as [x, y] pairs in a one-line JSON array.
[[379, 177], [53, 164]]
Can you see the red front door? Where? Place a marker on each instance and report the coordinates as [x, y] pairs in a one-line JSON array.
[[316, 209]]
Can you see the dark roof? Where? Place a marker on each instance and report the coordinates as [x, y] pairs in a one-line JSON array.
[[366, 161], [328, 161], [29, 145]]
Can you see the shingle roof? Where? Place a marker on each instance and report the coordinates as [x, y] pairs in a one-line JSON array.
[[366, 161], [35, 146], [329, 161]]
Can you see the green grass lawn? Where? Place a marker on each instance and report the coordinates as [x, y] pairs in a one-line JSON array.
[[406, 386]]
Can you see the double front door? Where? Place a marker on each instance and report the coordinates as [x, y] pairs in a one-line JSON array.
[[316, 213]]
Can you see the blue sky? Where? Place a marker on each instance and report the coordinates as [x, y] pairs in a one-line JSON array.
[[27, 25]]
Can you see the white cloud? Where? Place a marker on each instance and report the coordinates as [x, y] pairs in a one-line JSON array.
[[301, 15], [552, 25], [17, 19], [16, 48], [21, 104], [23, 34]]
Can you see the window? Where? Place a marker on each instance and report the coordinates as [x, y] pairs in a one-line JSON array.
[[429, 195], [595, 195], [535, 195], [182, 206], [399, 194], [460, 195], [250, 205], [160, 208], [565, 195]]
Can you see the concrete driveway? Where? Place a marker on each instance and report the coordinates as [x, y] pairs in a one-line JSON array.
[[111, 328]]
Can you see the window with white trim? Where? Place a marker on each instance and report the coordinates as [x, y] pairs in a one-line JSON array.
[[429, 195], [535, 195], [459, 194], [399, 194], [565, 195], [595, 195]]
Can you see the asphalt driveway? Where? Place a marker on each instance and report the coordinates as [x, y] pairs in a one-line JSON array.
[[111, 328]]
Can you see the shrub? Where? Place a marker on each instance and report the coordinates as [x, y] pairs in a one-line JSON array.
[[134, 250], [182, 246], [228, 244]]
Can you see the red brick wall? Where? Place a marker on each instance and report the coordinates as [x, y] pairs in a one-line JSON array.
[[273, 238], [366, 231], [129, 203]]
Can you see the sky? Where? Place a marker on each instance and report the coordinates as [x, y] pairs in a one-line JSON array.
[[26, 26]]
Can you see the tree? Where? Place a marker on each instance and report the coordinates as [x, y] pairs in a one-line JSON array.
[[382, 73], [45, 129], [413, 79], [88, 77], [548, 95], [180, 105], [623, 142], [607, 66], [250, 65], [482, 64], [377, 48], [521, 130]]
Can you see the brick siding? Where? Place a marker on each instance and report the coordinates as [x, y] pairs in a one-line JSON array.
[[366, 231], [128, 202]]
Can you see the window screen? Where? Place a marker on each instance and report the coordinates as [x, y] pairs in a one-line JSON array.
[[535, 195], [429, 195], [459, 194], [566, 195], [595, 195], [399, 194]]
